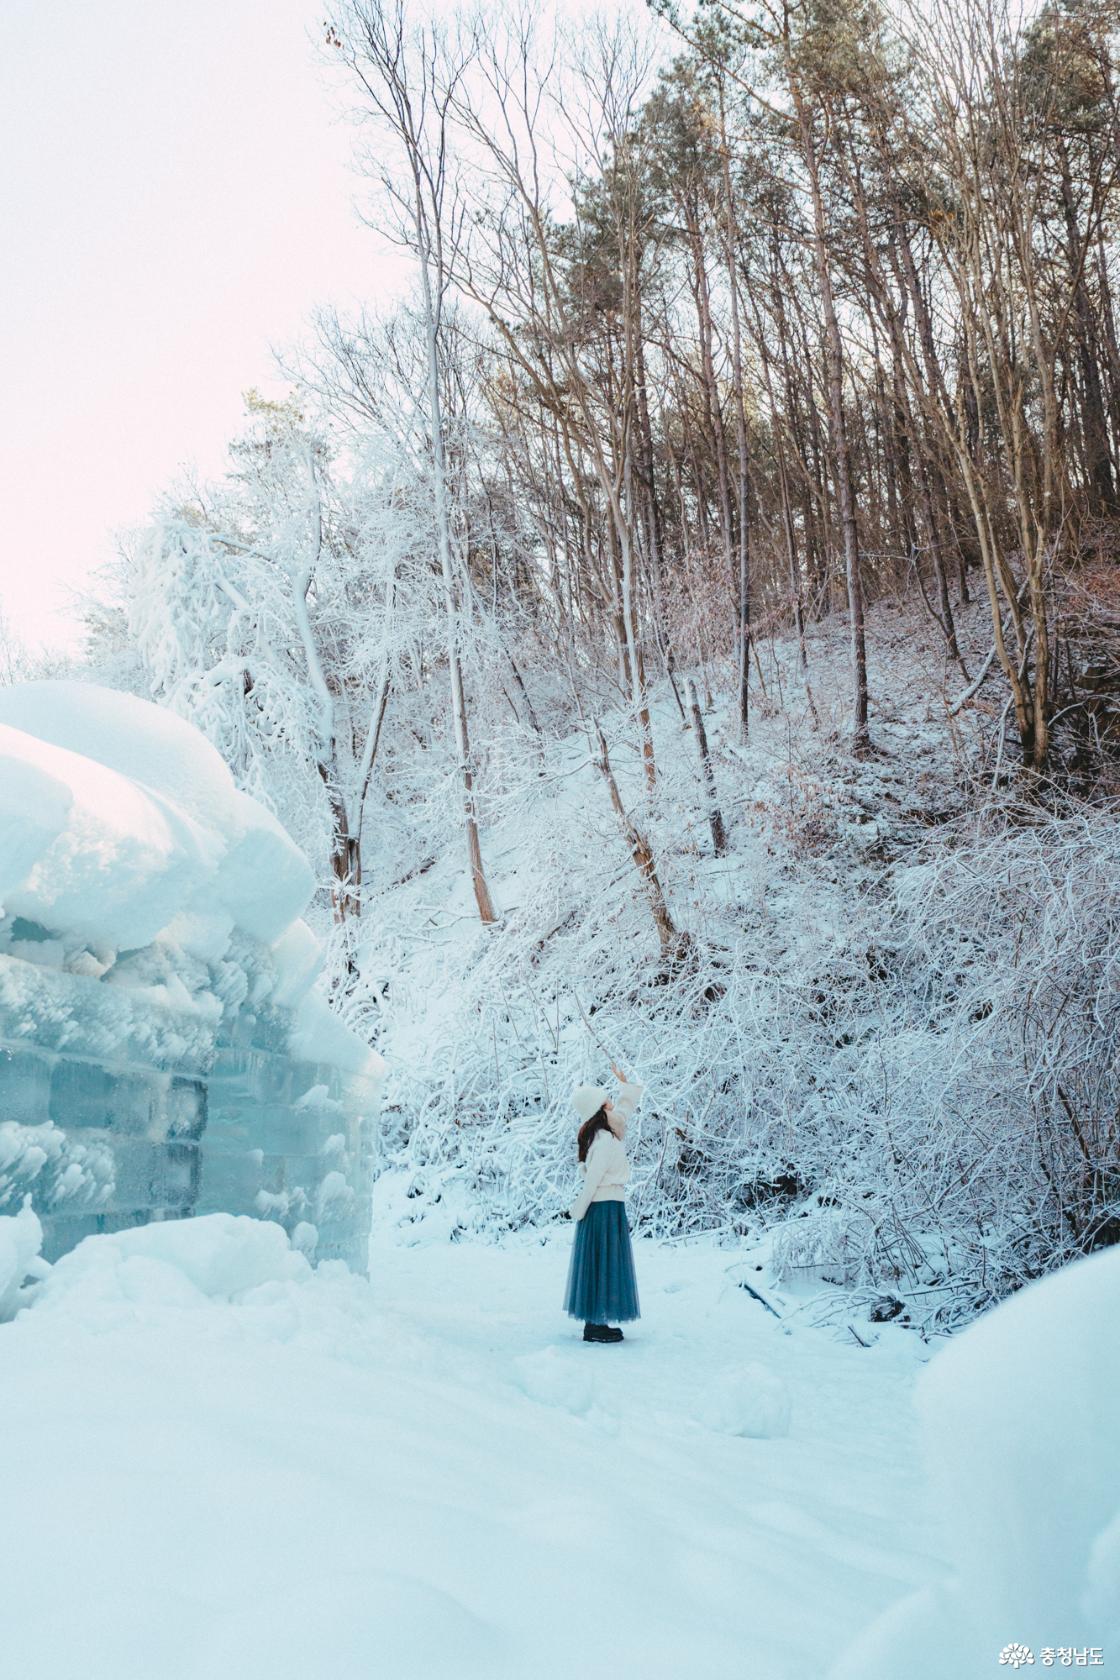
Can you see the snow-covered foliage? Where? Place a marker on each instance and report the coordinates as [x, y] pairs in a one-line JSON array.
[[883, 1025], [277, 611], [891, 1040], [890, 1036]]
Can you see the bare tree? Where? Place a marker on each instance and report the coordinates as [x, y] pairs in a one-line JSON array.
[[410, 77], [522, 276]]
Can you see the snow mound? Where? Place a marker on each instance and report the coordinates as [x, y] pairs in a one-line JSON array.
[[118, 818], [219, 1256], [328, 1480], [750, 1401], [1018, 1431], [553, 1377]]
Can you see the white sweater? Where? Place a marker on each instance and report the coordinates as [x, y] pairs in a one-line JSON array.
[[607, 1169]]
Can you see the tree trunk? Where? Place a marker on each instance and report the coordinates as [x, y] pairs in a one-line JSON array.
[[744, 556], [640, 850], [715, 816], [834, 355]]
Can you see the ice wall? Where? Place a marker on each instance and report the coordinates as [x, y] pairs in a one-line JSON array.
[[162, 1050]]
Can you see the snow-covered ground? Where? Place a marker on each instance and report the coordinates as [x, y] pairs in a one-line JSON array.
[[430, 1477], [216, 1461]]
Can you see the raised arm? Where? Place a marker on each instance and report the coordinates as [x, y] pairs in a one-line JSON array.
[[622, 1109]]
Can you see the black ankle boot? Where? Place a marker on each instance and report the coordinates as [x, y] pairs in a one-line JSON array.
[[596, 1333]]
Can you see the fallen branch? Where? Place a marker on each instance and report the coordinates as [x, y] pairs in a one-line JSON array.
[[974, 685]]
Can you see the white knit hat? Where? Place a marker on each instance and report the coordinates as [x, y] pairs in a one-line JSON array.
[[588, 1100]]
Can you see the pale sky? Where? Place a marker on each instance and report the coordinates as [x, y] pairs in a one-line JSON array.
[[175, 196]]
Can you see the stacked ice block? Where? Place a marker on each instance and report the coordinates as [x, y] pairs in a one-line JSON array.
[[162, 1050]]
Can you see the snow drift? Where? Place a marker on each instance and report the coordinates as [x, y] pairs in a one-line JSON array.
[[1017, 1417]]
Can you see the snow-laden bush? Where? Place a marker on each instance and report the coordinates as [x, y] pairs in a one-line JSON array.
[[983, 1104]]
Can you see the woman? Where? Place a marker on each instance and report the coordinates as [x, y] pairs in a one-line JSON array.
[[601, 1282]]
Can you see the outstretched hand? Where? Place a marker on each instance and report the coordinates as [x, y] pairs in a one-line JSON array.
[[618, 1073]]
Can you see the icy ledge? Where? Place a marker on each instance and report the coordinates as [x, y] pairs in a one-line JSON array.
[[162, 1050]]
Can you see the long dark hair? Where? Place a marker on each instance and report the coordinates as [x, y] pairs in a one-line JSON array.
[[590, 1130]]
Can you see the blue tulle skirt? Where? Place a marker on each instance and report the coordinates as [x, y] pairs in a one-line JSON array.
[[602, 1288]]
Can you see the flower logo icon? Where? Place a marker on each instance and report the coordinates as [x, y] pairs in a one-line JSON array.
[[1016, 1656]]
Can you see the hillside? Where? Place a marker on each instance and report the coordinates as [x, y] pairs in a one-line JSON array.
[[888, 1046]]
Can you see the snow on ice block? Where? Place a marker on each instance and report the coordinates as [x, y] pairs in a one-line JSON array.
[[750, 1401], [116, 869], [554, 1377], [139, 817], [34, 807], [142, 742], [264, 880], [1018, 1425], [298, 957], [318, 1035]]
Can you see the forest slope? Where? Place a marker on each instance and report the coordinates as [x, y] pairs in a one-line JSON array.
[[888, 1043]]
